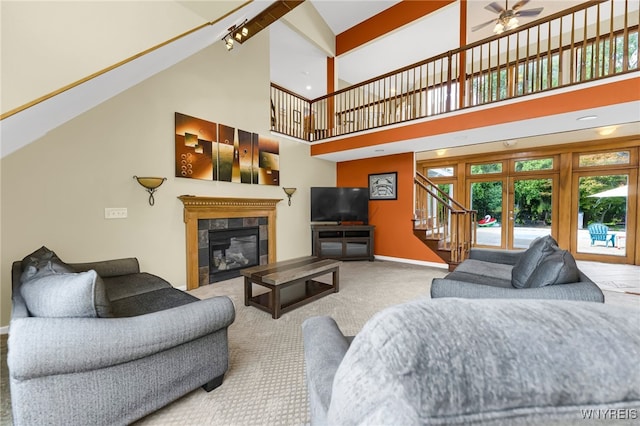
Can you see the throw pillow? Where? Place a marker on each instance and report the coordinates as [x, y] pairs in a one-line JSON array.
[[557, 268], [66, 295], [42, 262], [539, 248], [41, 253]]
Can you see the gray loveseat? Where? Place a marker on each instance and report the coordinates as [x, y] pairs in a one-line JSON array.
[[543, 271], [103, 343], [470, 362]]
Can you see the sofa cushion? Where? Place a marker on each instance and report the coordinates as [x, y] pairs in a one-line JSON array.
[[479, 279], [485, 269], [66, 295], [124, 286], [558, 267], [151, 301], [530, 259]]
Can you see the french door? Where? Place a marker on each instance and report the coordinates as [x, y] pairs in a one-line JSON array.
[[513, 211]]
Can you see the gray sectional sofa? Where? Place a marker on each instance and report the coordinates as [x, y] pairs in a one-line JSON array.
[[103, 343], [543, 271], [470, 362]]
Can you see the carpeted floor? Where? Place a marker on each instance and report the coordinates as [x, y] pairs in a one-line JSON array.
[[265, 384]]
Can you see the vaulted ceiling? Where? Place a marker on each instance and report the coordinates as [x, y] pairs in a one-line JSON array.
[[298, 60]]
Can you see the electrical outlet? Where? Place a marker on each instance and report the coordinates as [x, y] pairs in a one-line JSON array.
[[115, 213]]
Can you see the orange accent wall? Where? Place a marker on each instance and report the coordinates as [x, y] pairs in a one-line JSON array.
[[392, 218], [591, 97], [388, 20]]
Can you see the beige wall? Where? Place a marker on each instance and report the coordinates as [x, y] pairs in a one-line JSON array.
[[54, 190], [61, 42]]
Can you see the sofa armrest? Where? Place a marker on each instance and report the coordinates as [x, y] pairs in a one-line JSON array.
[[582, 291], [109, 268], [324, 348], [72, 345], [507, 257]]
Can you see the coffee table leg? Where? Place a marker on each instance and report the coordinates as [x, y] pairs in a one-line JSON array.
[[336, 280], [275, 302], [247, 291]]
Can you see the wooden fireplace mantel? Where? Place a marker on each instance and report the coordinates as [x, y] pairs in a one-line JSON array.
[[196, 208]]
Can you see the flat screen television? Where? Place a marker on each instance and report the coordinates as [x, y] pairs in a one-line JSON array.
[[329, 204]]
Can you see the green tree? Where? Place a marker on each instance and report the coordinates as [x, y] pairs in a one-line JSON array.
[[607, 210]]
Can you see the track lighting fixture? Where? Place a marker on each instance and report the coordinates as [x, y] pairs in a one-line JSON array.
[[237, 32]]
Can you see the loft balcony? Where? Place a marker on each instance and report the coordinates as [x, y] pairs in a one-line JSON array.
[[590, 42]]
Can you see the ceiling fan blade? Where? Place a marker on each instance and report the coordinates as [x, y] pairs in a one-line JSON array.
[[494, 7], [529, 12], [477, 27], [519, 4]]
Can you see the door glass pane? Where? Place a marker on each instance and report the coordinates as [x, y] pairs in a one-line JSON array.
[[602, 214], [486, 199], [531, 210]]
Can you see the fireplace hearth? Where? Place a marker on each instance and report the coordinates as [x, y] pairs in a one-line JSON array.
[[231, 250]]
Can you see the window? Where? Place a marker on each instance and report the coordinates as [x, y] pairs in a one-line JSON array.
[[440, 172], [481, 169], [533, 165], [604, 159]]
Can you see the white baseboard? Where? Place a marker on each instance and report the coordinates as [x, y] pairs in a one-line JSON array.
[[413, 262], [4, 330]]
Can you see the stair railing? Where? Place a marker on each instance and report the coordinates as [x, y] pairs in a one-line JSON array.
[[440, 217]]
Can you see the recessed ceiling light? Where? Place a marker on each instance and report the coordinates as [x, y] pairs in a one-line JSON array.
[[309, 87], [378, 150], [587, 118]]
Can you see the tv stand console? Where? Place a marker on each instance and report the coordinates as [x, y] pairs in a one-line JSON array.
[[344, 242]]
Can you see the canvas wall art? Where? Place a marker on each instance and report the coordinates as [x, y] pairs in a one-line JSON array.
[[196, 143], [206, 150]]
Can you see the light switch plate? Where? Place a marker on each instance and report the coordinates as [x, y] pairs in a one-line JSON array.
[[115, 213]]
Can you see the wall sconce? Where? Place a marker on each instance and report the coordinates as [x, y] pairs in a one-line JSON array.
[[237, 32], [151, 184], [289, 192]]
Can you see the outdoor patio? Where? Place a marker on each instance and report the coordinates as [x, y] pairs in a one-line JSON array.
[[491, 236]]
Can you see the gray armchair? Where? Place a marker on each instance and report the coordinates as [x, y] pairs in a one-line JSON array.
[[476, 362]]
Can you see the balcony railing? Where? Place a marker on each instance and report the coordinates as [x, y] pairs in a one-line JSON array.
[[594, 40]]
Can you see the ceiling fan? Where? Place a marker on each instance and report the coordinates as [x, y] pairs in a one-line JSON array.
[[508, 18]]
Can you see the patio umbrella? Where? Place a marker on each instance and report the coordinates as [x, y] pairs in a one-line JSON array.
[[621, 191]]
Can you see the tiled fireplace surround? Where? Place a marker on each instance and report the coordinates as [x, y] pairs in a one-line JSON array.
[[204, 213], [206, 225]]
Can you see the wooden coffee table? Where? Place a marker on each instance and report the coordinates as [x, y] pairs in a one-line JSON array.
[[290, 283]]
